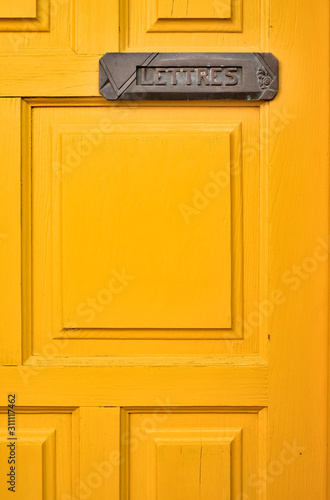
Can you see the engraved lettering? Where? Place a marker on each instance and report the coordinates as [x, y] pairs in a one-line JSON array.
[[174, 73], [188, 72], [144, 79], [202, 76], [192, 76], [158, 80], [221, 76], [214, 74], [233, 78]]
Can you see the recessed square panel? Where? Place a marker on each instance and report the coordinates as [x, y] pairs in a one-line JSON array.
[[143, 216], [135, 254], [194, 9], [192, 464], [179, 26], [29, 30], [18, 9], [41, 452], [200, 454], [32, 464], [212, 16]]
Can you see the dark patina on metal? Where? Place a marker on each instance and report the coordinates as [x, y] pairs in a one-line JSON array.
[[188, 76]]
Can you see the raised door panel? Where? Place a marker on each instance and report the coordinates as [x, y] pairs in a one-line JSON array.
[[37, 456], [180, 9], [124, 220], [63, 28], [146, 226], [202, 454], [60, 453], [152, 25], [18, 9]]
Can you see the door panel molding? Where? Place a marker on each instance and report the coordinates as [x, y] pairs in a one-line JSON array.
[[62, 338]]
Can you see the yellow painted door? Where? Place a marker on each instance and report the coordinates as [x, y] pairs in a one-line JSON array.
[[163, 297]]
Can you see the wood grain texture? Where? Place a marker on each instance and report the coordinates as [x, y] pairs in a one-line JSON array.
[[64, 75], [72, 379], [298, 200], [17, 30], [43, 453], [190, 454], [96, 29], [10, 231], [216, 17], [137, 386], [187, 287], [143, 28], [243, 126], [19, 8], [181, 9], [99, 439], [26, 338]]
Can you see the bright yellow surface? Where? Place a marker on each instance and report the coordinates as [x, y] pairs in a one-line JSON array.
[[181, 9], [42, 452], [132, 209], [174, 183], [197, 455], [18, 9], [205, 376]]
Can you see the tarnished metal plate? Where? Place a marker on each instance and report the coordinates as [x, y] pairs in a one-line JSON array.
[[188, 76]]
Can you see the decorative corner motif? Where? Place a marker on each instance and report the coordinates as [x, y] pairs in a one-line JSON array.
[[264, 78]]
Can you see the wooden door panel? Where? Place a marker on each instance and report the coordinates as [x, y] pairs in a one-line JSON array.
[[163, 293], [41, 451], [195, 453], [10, 236], [144, 215], [21, 8], [63, 453], [155, 24], [124, 216], [20, 33], [57, 27], [179, 9]]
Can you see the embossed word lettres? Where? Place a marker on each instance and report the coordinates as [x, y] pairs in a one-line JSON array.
[[189, 76], [185, 76]]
